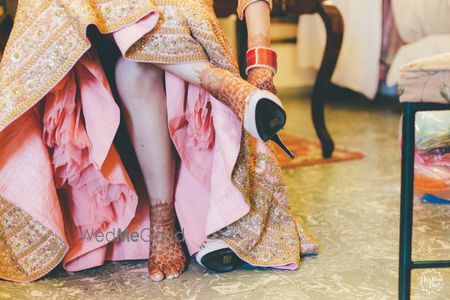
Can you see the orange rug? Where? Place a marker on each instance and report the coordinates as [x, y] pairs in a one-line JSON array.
[[309, 153]]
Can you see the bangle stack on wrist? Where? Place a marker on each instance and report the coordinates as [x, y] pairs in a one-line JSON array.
[[261, 57]]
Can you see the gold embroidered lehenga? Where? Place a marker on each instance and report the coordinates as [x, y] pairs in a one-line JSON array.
[[241, 200]]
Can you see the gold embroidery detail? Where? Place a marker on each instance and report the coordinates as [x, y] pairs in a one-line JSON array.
[[19, 225], [49, 37], [28, 250], [187, 31], [267, 235], [47, 40]]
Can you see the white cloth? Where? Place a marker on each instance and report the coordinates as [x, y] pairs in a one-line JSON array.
[[358, 64], [425, 25], [417, 19], [426, 47]]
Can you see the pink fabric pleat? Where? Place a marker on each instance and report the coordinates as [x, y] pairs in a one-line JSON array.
[[130, 34], [26, 175], [58, 165], [204, 186], [80, 120]]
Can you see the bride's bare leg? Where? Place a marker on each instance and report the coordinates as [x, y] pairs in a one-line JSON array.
[[141, 88]]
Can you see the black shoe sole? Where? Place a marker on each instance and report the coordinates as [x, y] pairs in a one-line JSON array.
[[222, 261], [270, 118]]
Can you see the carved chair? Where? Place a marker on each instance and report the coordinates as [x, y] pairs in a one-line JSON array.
[[6, 12]]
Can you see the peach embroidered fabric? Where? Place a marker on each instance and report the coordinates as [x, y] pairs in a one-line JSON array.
[[59, 168], [65, 178]]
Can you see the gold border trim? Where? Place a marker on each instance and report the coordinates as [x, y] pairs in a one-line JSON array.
[[57, 255], [36, 96]]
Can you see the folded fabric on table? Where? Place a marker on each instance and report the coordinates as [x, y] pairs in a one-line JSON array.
[[432, 162], [433, 131]]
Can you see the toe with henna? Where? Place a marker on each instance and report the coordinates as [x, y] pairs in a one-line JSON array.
[[167, 259]]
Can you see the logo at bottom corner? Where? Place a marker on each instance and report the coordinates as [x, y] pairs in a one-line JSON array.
[[431, 282]]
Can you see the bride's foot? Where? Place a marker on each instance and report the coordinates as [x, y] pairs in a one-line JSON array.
[[260, 111], [167, 258]]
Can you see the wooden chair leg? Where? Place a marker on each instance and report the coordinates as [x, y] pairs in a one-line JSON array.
[[335, 27], [242, 46], [6, 24]]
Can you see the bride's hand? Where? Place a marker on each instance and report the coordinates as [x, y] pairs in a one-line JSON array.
[[262, 78]]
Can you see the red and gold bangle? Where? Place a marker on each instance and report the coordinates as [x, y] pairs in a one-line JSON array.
[[261, 57]]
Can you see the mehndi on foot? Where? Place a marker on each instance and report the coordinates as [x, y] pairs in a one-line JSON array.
[[167, 259]]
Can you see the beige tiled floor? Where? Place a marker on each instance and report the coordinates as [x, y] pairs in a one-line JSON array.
[[352, 208]]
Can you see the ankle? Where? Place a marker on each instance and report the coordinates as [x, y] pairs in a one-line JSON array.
[[162, 213]]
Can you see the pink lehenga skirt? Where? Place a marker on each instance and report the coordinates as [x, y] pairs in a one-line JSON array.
[[65, 194]]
